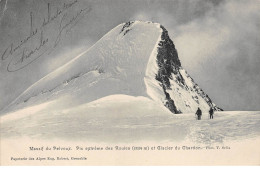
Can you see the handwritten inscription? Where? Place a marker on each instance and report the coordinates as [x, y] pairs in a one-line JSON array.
[[58, 21], [64, 25]]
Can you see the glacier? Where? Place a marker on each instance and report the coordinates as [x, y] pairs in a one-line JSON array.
[[122, 119]]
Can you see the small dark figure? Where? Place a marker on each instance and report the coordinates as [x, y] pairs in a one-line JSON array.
[[198, 113], [211, 112]]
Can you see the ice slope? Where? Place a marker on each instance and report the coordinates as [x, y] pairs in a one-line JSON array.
[[116, 64], [121, 118], [130, 60]]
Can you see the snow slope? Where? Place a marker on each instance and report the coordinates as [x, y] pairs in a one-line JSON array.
[[121, 118], [130, 60]]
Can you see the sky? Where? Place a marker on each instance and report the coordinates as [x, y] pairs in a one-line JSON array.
[[217, 41]]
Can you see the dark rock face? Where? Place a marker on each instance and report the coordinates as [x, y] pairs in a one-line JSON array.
[[169, 63], [167, 60], [169, 66], [169, 73], [126, 26]]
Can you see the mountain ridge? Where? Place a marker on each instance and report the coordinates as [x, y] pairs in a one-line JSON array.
[[135, 58]]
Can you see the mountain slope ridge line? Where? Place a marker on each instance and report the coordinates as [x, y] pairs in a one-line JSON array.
[[135, 58]]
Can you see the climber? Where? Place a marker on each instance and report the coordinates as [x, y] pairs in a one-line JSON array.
[[211, 112], [198, 113]]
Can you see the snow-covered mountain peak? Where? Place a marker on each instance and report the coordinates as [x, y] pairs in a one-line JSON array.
[[135, 58]]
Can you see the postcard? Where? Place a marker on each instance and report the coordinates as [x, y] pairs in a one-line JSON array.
[[129, 82]]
